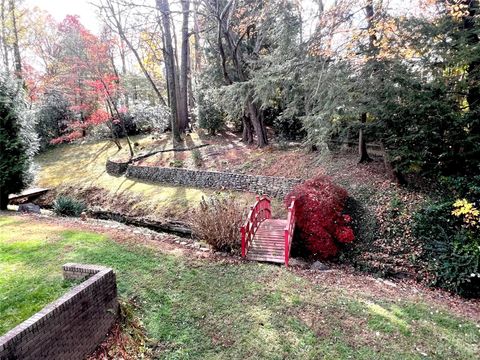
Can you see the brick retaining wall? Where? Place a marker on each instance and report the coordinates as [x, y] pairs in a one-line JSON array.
[[70, 327], [272, 186]]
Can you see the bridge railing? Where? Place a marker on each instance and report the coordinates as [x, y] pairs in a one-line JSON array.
[[289, 229], [259, 212]]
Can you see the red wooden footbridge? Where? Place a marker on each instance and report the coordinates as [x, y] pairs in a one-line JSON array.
[[267, 239]]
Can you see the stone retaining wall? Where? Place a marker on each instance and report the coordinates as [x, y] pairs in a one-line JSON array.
[[70, 327], [272, 186], [116, 168]]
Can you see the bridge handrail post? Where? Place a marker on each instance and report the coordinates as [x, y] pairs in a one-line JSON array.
[[260, 211], [244, 245], [289, 229]]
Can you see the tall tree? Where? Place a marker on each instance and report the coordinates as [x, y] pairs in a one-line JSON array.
[[164, 8], [112, 14], [18, 141], [239, 40], [196, 34], [372, 38], [3, 18], [470, 27], [16, 47], [184, 68]]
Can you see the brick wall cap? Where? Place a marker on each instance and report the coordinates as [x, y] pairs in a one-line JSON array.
[[100, 277]]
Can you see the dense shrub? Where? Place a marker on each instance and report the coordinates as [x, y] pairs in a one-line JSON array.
[[177, 163], [100, 132], [320, 221], [288, 128], [210, 116], [125, 126], [66, 206], [217, 221], [52, 117], [287, 124], [467, 186], [450, 236], [197, 158], [18, 140], [148, 117]]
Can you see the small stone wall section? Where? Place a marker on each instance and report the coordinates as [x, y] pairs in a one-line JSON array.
[[116, 168], [277, 187], [72, 326]]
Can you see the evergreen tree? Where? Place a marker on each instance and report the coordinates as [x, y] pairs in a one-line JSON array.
[[18, 141], [52, 116], [244, 40]]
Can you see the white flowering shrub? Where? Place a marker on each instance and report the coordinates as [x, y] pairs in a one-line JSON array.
[[149, 117], [100, 132]]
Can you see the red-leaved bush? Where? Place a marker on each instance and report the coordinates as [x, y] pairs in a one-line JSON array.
[[321, 224]]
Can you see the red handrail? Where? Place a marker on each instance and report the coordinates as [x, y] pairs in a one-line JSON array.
[[259, 212], [289, 229]]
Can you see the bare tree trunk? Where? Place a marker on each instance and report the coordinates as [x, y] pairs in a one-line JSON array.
[[257, 123], [392, 173], [176, 67], [469, 20], [124, 70], [247, 134], [362, 144], [164, 8], [183, 99], [115, 139], [126, 95], [117, 76], [16, 48], [223, 57], [111, 102], [196, 32], [145, 72], [191, 95], [114, 18], [4, 38]]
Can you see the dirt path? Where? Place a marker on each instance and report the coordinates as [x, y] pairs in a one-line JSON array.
[[340, 278]]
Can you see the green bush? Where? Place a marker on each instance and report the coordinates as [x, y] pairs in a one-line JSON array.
[[288, 128], [467, 186], [197, 158], [210, 116], [53, 113], [66, 206], [177, 163], [451, 247]]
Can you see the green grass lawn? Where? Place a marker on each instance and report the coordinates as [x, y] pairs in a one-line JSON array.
[[200, 309], [83, 166]]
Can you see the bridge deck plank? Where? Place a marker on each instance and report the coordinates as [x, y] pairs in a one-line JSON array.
[[269, 243]]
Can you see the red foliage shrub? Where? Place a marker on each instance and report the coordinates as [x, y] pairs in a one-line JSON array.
[[321, 224], [77, 134], [98, 117]]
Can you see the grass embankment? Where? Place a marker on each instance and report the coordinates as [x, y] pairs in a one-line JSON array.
[[81, 167], [381, 210], [199, 309], [79, 170]]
